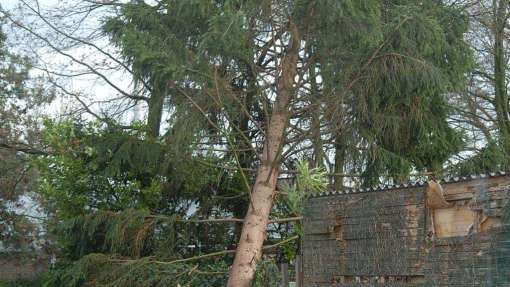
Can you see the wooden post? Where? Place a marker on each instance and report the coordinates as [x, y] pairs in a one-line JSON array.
[[299, 271], [285, 274]]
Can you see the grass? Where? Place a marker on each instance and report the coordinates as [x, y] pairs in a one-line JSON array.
[[22, 283]]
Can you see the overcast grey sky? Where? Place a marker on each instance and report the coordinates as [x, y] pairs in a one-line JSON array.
[[92, 89]]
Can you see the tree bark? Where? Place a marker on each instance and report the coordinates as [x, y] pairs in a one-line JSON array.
[[340, 141], [155, 111], [340, 151], [249, 249], [500, 65], [318, 152]]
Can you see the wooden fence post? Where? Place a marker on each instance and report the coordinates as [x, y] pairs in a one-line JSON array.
[[285, 274], [299, 271]]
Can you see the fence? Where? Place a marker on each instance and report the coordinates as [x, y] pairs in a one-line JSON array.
[[292, 274]]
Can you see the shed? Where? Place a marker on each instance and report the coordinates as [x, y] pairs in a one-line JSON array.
[[450, 232]]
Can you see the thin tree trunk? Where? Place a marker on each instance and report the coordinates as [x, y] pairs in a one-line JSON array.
[[318, 153], [340, 143], [155, 112], [249, 250], [340, 150], [501, 95]]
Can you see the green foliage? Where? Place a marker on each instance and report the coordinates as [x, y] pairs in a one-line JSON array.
[[23, 283], [390, 64], [97, 168], [491, 158], [267, 274], [109, 198], [126, 248], [85, 172], [107, 271], [403, 108], [137, 249], [308, 181], [124, 233], [227, 35], [401, 59], [102, 270]]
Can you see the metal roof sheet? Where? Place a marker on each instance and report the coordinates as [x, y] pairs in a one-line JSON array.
[[412, 184]]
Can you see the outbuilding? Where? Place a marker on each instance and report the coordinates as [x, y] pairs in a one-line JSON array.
[[449, 232]]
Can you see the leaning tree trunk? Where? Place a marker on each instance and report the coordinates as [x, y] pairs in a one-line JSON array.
[[249, 249]]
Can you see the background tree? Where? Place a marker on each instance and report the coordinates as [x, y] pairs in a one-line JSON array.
[[20, 97], [481, 110]]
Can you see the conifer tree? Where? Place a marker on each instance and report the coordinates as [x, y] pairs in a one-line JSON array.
[[248, 88], [388, 67]]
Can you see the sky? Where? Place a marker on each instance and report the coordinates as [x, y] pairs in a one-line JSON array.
[[91, 88]]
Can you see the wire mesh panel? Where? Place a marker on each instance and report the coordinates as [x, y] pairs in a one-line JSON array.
[[387, 237]]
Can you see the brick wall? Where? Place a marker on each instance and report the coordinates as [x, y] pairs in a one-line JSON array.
[[12, 268]]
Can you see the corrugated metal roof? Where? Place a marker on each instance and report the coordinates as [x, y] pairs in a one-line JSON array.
[[417, 183]]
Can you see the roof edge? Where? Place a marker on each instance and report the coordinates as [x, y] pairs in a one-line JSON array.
[[413, 184]]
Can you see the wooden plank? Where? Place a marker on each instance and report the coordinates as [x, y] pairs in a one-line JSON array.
[[299, 271], [453, 221], [285, 274]]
